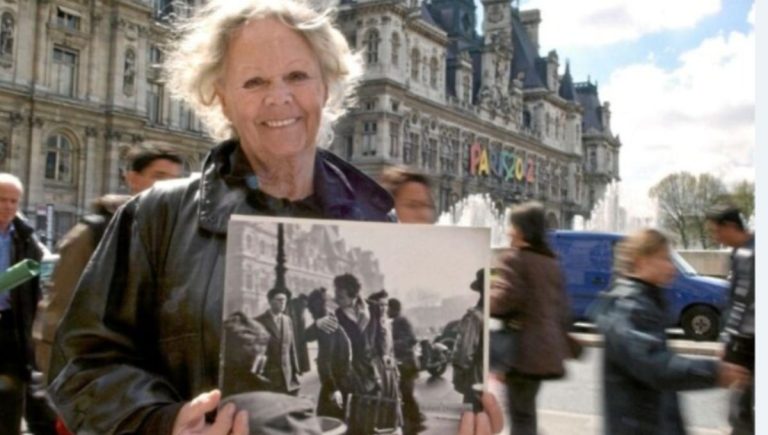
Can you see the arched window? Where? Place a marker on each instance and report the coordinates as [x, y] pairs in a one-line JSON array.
[[58, 159], [433, 72], [395, 49], [415, 64], [371, 42]]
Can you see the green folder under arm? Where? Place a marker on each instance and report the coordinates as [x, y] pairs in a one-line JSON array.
[[18, 274]]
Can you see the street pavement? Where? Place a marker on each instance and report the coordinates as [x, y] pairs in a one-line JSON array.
[[573, 405]]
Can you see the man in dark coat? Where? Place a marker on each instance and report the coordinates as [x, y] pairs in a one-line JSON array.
[[17, 312], [404, 341], [334, 354], [282, 367]]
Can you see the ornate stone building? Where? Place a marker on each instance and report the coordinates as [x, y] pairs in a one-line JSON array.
[[479, 113], [80, 86], [314, 256]]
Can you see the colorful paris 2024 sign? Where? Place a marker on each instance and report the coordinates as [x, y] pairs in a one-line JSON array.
[[501, 163]]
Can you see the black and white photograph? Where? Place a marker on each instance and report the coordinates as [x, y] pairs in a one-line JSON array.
[[379, 325]]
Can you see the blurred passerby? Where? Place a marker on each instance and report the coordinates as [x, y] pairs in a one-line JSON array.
[[20, 393], [641, 376], [412, 191], [146, 166], [404, 341], [527, 291], [727, 226]]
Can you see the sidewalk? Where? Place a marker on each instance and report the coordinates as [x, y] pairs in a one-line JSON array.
[[552, 422], [564, 423], [701, 348]]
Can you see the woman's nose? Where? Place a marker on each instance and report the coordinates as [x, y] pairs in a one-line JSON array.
[[279, 93]]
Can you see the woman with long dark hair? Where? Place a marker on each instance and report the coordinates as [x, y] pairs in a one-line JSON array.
[[528, 297]]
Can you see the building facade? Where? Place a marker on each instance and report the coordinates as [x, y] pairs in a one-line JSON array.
[[478, 113], [80, 86]]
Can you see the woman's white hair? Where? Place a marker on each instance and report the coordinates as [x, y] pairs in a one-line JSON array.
[[195, 57]]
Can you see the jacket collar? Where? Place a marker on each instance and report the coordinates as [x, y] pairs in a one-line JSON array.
[[342, 191]]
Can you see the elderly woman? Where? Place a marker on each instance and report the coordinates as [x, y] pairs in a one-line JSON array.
[[142, 335]]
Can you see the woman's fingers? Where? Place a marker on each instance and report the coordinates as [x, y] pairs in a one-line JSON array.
[[192, 414], [241, 424], [224, 421], [493, 409], [467, 423], [482, 424]]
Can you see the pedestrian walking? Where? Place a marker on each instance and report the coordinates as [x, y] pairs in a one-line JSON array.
[[528, 298], [20, 391], [727, 226], [641, 375]]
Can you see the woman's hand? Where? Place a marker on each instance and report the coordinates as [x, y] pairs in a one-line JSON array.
[[488, 422], [191, 417]]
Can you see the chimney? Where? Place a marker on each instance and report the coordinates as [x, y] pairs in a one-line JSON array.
[[531, 20]]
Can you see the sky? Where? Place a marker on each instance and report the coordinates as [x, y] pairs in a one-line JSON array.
[[680, 78]]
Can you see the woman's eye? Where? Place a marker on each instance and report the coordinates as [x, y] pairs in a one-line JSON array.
[[251, 83], [297, 75]]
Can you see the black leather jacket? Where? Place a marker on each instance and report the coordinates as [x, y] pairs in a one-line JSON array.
[[142, 333]]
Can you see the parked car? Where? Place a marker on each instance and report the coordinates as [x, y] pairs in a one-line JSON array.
[[696, 302]]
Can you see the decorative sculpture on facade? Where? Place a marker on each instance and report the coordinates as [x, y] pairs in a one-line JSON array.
[[6, 34]]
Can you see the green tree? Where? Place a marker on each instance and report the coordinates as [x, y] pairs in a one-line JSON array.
[[673, 196], [742, 195], [709, 190], [683, 200]]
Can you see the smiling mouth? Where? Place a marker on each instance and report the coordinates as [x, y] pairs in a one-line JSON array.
[[281, 123]]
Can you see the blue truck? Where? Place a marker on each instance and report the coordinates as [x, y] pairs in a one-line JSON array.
[[696, 302]]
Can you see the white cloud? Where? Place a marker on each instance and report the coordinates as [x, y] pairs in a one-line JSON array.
[[751, 16], [698, 117], [589, 23]]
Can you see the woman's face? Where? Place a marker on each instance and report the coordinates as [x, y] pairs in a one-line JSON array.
[[413, 204], [272, 91], [657, 268], [343, 299]]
